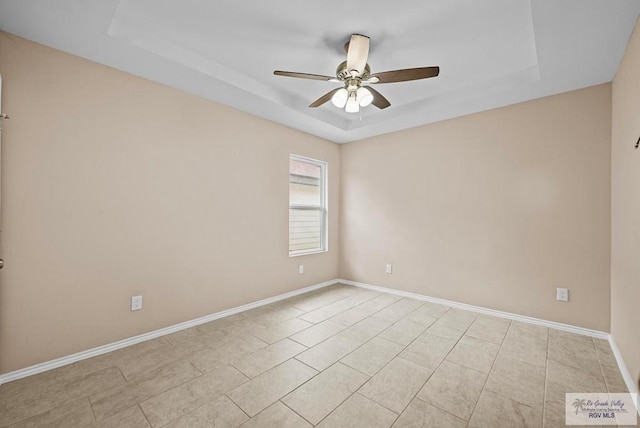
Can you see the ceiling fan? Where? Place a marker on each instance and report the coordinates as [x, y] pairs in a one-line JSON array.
[[354, 72]]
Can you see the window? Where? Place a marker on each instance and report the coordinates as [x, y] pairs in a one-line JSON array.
[[307, 206]]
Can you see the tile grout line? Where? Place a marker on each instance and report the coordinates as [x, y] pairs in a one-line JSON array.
[[285, 405], [488, 374], [546, 381], [438, 366], [429, 377], [144, 415], [370, 377]]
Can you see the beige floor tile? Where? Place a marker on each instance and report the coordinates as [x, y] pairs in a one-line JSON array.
[[317, 398], [328, 352], [172, 404], [614, 380], [122, 356], [221, 412], [222, 354], [525, 344], [454, 388], [112, 401], [276, 314], [364, 310], [127, 418], [518, 380], [398, 310], [576, 353], [571, 337], [358, 411], [491, 329], [396, 384], [264, 390], [27, 397], [404, 331], [366, 329], [372, 356], [76, 413], [494, 410], [562, 379], [427, 311], [458, 319], [335, 348], [183, 337], [138, 370], [474, 353], [356, 314], [318, 333], [422, 414], [428, 350], [554, 414], [442, 330], [91, 384], [312, 301], [232, 344], [529, 329], [268, 357], [605, 354], [277, 416], [326, 312], [224, 330], [277, 332]]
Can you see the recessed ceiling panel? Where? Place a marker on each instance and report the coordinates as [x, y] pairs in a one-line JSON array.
[[241, 43]]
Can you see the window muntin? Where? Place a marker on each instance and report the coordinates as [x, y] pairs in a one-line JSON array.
[[307, 206]]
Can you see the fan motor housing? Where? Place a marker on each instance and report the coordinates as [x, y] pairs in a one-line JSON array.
[[342, 72]]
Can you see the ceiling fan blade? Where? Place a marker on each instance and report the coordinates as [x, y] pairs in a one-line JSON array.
[[405, 75], [323, 99], [304, 75], [358, 53], [378, 100]]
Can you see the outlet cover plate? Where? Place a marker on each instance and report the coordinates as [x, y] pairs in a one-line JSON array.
[[562, 294], [136, 303]]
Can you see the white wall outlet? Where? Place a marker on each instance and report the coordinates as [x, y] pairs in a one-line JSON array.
[[300, 268], [136, 303], [562, 294], [388, 269]]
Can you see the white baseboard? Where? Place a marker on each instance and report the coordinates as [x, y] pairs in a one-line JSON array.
[[628, 379], [486, 311], [530, 320], [69, 359]]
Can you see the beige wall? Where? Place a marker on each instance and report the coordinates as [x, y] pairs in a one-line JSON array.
[[496, 209], [625, 237], [114, 186]]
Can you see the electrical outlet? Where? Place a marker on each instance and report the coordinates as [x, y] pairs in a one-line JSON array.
[[389, 269], [562, 294], [136, 303], [300, 268]]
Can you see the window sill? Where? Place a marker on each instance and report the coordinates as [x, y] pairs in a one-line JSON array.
[[306, 253]]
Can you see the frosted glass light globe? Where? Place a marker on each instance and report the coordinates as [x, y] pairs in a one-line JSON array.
[[339, 99]]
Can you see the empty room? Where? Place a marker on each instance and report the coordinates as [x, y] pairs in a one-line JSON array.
[[298, 214]]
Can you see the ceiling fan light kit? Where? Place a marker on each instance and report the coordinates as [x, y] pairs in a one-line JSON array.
[[354, 72]]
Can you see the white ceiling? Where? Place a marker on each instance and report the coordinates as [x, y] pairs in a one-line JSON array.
[[491, 53]]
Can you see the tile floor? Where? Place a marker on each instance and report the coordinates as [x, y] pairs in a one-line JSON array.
[[337, 357]]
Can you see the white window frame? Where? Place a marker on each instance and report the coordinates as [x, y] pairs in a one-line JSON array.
[[324, 226]]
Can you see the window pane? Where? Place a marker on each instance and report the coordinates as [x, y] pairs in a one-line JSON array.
[[304, 183], [305, 228], [307, 210]]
